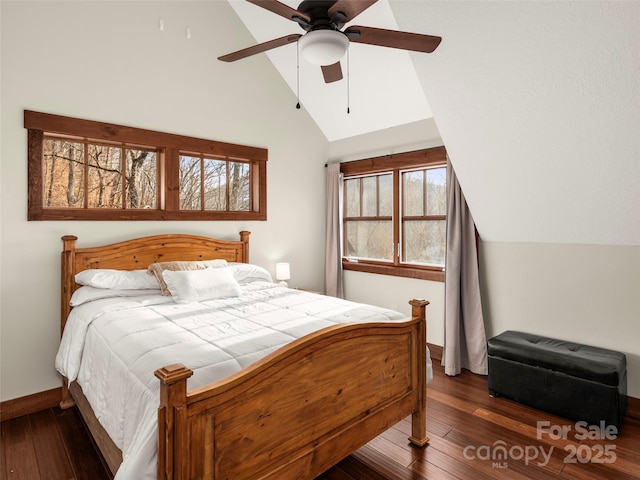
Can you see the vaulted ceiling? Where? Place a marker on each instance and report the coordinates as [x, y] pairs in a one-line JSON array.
[[376, 79]]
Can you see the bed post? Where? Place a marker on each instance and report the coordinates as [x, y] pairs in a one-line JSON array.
[[68, 264], [68, 276], [172, 434], [244, 238], [419, 416]]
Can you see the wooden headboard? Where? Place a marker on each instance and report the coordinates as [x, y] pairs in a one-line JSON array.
[[138, 253]]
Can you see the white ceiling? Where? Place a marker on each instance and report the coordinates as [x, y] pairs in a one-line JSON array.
[[382, 89]]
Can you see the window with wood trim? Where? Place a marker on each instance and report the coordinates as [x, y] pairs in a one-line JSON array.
[[86, 170], [394, 214]]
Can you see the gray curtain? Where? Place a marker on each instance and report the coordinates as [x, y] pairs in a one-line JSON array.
[[333, 253], [465, 344]]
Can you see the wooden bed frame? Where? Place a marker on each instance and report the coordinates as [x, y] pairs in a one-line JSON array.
[[292, 415]]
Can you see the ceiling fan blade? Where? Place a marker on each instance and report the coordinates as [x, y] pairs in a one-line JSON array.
[[350, 8], [332, 73], [259, 48], [393, 39], [280, 9]]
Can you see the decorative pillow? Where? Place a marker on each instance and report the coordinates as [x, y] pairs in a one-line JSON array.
[[246, 273], [118, 279], [200, 285], [87, 294], [158, 268]]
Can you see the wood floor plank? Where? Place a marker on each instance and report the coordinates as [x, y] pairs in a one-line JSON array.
[[49, 446], [462, 404], [384, 467], [592, 471], [3, 463], [541, 465], [360, 470], [438, 465], [335, 473], [20, 455]]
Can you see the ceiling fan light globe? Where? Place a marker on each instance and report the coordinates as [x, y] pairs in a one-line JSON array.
[[323, 47]]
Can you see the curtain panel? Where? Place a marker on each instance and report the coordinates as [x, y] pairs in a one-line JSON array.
[[333, 252], [465, 343]]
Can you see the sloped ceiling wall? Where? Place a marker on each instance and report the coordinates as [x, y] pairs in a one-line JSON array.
[[538, 104]]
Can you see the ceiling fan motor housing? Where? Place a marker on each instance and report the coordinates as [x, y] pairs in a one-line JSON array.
[[318, 12]]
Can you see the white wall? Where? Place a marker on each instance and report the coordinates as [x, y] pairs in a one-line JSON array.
[[108, 61], [384, 290]]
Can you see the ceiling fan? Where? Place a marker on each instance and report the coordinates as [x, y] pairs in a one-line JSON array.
[[324, 42]]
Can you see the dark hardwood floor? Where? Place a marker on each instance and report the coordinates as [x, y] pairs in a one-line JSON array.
[[468, 431]]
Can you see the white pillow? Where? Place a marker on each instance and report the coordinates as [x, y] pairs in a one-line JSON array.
[[246, 273], [118, 279], [87, 294], [200, 285], [159, 267]]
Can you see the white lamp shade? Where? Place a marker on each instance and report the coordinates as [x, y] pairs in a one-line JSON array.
[[323, 47], [282, 271]]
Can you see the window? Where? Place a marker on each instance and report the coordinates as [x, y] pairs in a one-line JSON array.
[[395, 214], [84, 170]]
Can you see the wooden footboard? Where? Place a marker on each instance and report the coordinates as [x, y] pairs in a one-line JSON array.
[[301, 409]]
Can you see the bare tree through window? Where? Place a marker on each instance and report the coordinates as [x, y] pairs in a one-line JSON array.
[[214, 184], [93, 175]]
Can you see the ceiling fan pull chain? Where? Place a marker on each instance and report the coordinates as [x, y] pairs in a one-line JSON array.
[[298, 75], [348, 84]]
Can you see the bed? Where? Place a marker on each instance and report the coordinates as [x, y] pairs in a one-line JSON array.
[[291, 412]]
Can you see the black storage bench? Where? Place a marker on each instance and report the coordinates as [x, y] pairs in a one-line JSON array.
[[567, 379]]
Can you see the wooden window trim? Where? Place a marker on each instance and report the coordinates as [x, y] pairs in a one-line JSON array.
[[422, 273], [396, 163], [169, 147]]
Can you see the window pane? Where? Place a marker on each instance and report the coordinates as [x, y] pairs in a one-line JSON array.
[[142, 179], [385, 187], [239, 188], [413, 193], [369, 197], [424, 242], [63, 170], [437, 191], [104, 177], [215, 184], [189, 183], [352, 197], [373, 240]]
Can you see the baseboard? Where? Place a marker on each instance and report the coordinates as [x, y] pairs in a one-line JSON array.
[[435, 351], [33, 403]]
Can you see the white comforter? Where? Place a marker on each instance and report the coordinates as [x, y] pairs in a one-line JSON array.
[[113, 346]]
